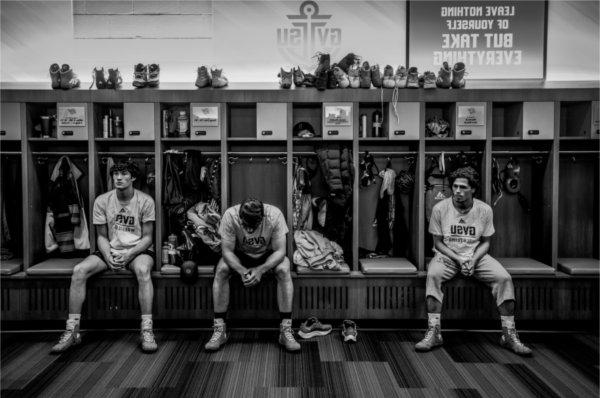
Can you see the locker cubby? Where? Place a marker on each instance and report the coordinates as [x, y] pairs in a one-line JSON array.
[[441, 110], [10, 122], [142, 154], [403, 238], [575, 119], [112, 110], [578, 205], [42, 165], [12, 201], [34, 120], [521, 232], [169, 128], [243, 169], [310, 113], [368, 109], [242, 121], [452, 161], [507, 120]]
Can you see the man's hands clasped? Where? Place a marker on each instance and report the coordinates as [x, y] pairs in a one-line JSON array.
[[252, 277]]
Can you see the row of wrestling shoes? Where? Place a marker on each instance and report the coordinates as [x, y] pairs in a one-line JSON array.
[[343, 75], [63, 77]]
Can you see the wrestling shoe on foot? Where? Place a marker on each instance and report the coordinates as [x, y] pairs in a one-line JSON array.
[[510, 341], [69, 338], [286, 337], [218, 338], [147, 336], [432, 339], [349, 332], [313, 327]]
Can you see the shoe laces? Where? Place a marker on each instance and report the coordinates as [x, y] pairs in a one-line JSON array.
[[148, 335], [513, 336], [66, 336], [217, 332], [288, 333], [429, 335]]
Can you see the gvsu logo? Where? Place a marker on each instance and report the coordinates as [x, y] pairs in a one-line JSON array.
[[309, 33]]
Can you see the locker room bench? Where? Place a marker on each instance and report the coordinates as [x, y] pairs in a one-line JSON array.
[[10, 267], [579, 266]]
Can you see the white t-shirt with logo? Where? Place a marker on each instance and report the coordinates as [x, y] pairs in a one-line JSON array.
[[257, 243], [123, 219], [462, 232]]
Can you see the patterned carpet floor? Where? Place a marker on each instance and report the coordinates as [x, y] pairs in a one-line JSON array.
[[380, 364]]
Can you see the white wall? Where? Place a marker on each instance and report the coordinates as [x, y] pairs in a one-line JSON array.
[[35, 34]]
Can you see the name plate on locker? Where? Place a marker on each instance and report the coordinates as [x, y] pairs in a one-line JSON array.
[[470, 121], [337, 121], [205, 123], [72, 122]]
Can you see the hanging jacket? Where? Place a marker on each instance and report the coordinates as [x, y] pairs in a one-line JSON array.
[[206, 221], [193, 187], [437, 186], [338, 171], [66, 224], [173, 200], [302, 202], [214, 182]]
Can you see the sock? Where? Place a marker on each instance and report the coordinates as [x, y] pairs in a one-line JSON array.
[[508, 322], [285, 316], [147, 321], [220, 316], [75, 318], [434, 319]]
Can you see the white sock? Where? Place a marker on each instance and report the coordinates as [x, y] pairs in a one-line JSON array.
[[286, 322], [508, 322], [219, 321], [76, 317], [147, 321], [434, 319]]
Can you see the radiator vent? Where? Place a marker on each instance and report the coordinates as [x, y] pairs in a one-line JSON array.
[[534, 298], [466, 298], [584, 298], [390, 297], [323, 298], [5, 299], [48, 299], [114, 298], [191, 298], [262, 297]]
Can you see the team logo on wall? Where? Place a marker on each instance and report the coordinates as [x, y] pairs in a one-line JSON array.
[[309, 33]]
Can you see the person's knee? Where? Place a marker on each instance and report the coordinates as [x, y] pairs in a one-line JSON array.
[[80, 273], [222, 272], [283, 270], [435, 275], [504, 278], [142, 268]]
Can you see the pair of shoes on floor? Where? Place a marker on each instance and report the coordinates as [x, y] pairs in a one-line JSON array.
[[220, 337], [146, 75], [215, 79], [457, 80], [313, 327], [63, 77], [71, 337], [349, 331], [509, 340], [113, 81]]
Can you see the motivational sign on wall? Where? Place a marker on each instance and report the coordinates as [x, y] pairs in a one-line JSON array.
[[494, 39]]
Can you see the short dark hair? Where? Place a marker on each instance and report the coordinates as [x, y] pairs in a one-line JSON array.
[[467, 173], [128, 165], [252, 212]]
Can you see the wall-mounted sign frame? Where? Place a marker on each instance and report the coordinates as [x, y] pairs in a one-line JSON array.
[[502, 39]]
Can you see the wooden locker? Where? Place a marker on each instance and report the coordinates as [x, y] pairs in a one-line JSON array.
[[404, 126], [10, 121], [139, 121]]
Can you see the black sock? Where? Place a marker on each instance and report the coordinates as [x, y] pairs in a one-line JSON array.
[[221, 315], [285, 315]]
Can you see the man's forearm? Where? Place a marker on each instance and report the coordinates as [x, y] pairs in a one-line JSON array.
[[142, 245], [480, 251], [233, 262], [445, 250], [104, 247], [272, 261]]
